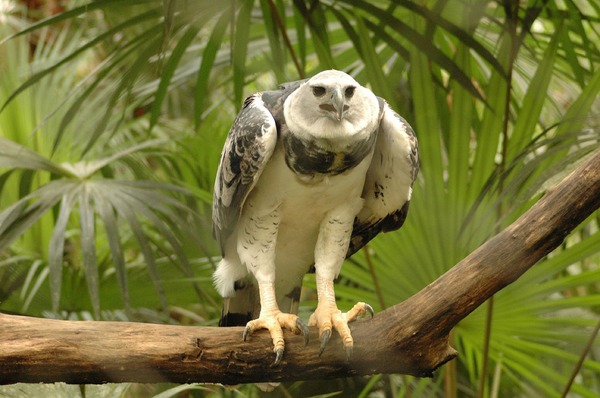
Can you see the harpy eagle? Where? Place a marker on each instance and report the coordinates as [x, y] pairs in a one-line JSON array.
[[309, 173]]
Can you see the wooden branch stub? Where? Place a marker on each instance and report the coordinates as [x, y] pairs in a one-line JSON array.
[[409, 338]]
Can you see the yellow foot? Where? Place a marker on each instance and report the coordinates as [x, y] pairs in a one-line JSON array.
[[328, 316], [275, 323]]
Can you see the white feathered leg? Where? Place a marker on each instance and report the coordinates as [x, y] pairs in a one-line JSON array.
[[330, 251], [256, 248]]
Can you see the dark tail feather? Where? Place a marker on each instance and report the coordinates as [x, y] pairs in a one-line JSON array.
[[243, 307], [234, 319]]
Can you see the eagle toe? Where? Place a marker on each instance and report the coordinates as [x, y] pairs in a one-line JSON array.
[[275, 323], [330, 317]]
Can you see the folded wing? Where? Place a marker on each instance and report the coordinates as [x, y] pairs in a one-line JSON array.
[[249, 146], [388, 186]]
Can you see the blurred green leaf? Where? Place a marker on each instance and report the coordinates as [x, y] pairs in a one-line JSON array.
[[208, 59], [169, 70], [240, 49]]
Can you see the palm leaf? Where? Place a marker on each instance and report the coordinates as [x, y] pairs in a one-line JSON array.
[[68, 15], [533, 101], [13, 155], [92, 43], [56, 246], [169, 70], [88, 247], [19, 217], [240, 49], [208, 60]]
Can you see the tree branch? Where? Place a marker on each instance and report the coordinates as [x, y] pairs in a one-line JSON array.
[[397, 340]]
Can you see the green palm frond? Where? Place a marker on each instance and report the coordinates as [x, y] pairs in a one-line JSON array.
[[139, 203]]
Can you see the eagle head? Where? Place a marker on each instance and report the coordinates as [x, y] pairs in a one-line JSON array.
[[332, 91], [331, 104]]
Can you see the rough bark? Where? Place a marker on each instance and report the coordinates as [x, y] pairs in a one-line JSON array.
[[409, 338]]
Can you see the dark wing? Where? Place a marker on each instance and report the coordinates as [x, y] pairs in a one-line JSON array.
[[388, 185], [275, 99], [248, 148]]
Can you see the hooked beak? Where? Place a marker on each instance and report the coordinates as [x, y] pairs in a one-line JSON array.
[[337, 100], [337, 105]]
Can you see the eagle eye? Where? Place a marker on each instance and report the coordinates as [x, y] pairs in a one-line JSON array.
[[349, 91], [318, 91]]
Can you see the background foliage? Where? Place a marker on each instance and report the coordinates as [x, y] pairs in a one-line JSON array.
[[112, 118]]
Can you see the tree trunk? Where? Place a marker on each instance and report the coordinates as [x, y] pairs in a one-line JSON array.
[[409, 338]]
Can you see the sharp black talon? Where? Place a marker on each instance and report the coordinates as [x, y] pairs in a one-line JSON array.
[[303, 329], [246, 333], [369, 310], [349, 352], [324, 339], [278, 356]]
